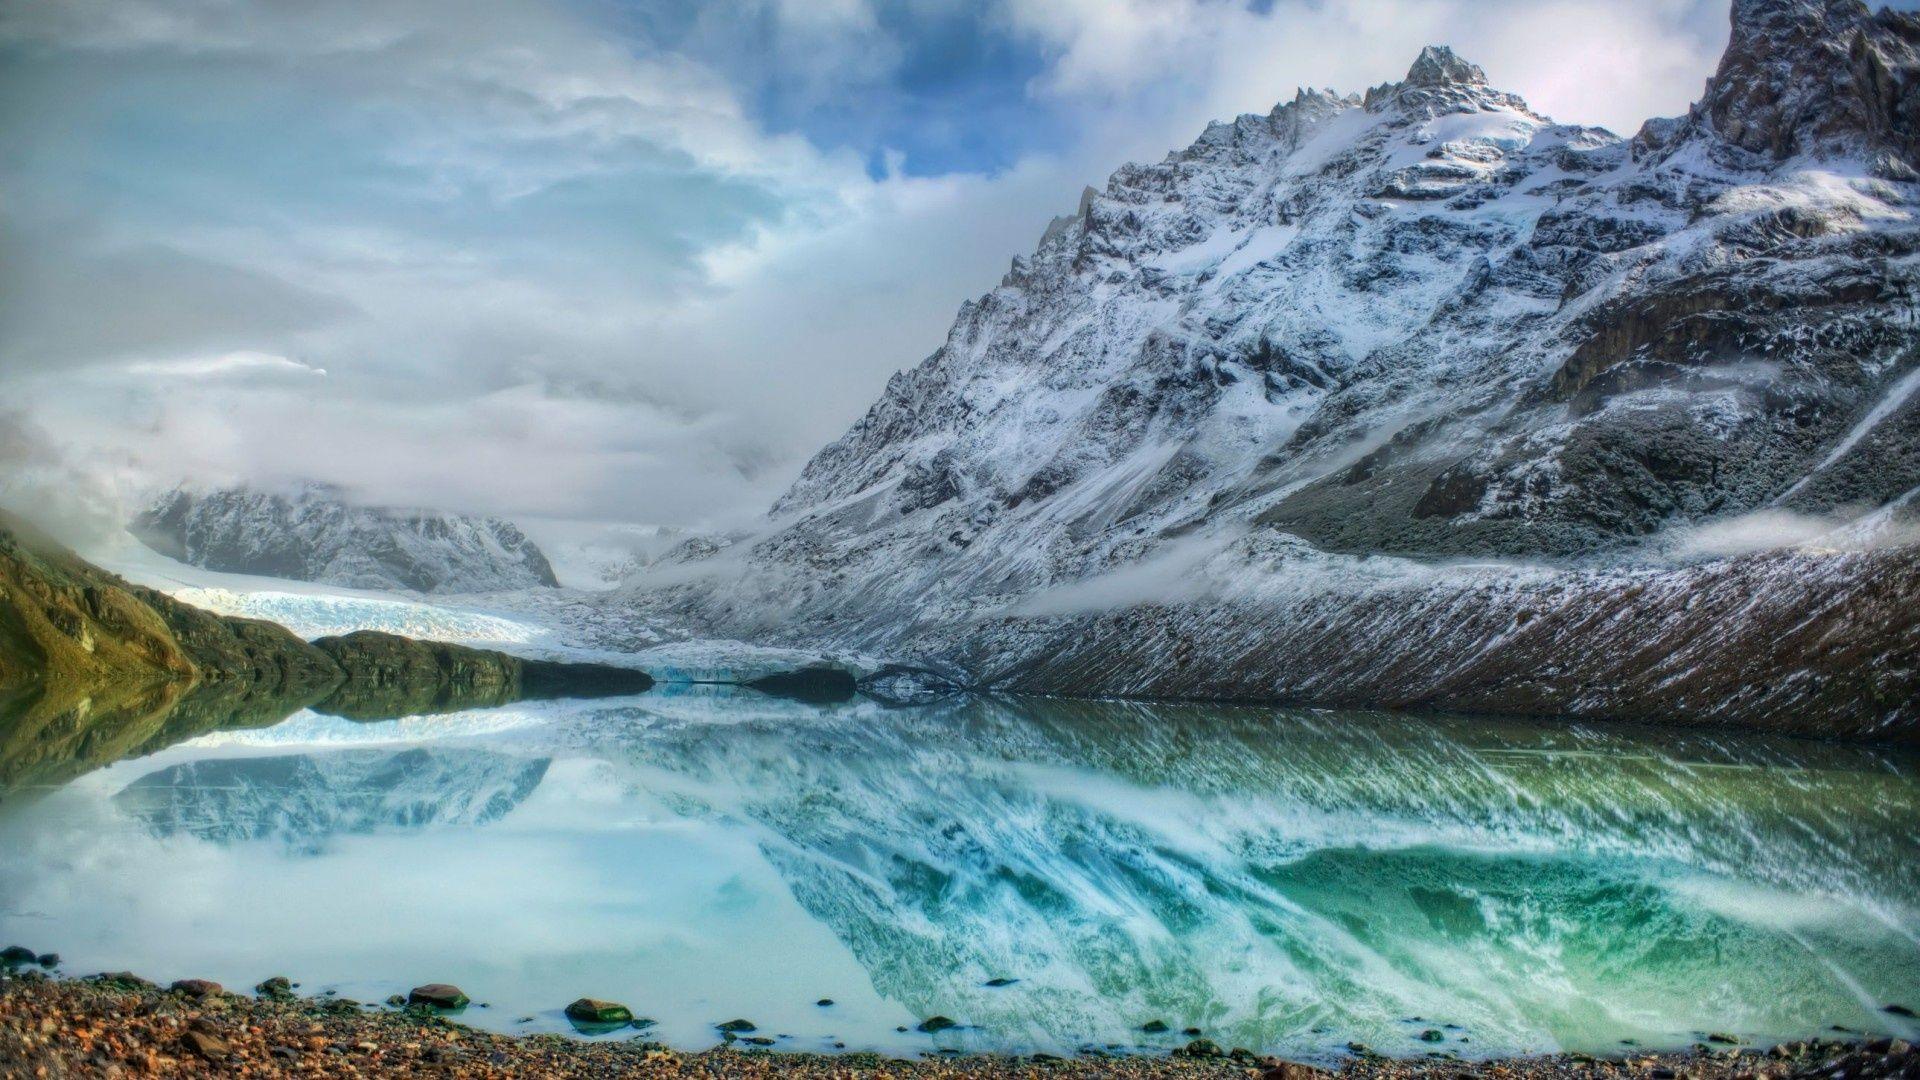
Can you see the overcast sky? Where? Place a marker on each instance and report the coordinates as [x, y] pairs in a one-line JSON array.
[[626, 260]]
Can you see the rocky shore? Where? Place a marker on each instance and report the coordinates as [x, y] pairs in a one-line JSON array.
[[116, 1025]]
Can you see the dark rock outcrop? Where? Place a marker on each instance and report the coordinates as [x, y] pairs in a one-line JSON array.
[[1814, 76], [820, 684], [387, 675]]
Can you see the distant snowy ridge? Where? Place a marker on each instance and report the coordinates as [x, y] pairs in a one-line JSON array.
[[312, 532], [1427, 323]]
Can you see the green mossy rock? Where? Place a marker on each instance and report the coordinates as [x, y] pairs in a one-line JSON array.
[[595, 1011]]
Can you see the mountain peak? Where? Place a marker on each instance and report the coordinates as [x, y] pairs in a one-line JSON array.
[[1817, 77], [1438, 65]]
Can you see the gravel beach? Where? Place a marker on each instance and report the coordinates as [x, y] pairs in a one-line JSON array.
[[109, 1026]]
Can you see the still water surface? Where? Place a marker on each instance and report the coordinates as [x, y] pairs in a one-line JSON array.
[[1288, 881]]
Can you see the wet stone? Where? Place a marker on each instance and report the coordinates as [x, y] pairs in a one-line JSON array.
[[205, 1044], [125, 980], [14, 955], [934, 1024], [737, 1027], [1154, 1027], [198, 988], [596, 1011], [438, 995]]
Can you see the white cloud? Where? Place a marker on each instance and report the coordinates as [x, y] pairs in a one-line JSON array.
[[1762, 530], [228, 364]]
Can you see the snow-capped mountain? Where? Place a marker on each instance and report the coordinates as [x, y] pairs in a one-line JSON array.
[[1425, 322], [303, 800], [1430, 320], [311, 532]]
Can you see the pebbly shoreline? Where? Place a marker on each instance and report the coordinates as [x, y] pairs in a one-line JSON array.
[[119, 1025]]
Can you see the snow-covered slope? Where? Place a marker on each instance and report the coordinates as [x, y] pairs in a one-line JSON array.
[[313, 533], [1426, 321], [1423, 322]]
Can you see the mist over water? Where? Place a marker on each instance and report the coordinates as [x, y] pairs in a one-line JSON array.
[[1287, 881]]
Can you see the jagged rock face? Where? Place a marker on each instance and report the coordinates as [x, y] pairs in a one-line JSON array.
[[1426, 322], [313, 534], [1810, 76]]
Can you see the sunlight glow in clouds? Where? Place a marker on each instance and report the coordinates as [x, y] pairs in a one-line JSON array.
[[622, 260]]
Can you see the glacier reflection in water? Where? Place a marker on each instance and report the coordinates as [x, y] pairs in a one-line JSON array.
[[1285, 880]]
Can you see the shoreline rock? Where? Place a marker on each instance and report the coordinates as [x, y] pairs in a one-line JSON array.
[[439, 996], [596, 1011]]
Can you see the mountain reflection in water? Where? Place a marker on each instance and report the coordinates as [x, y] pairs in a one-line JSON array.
[[1284, 880]]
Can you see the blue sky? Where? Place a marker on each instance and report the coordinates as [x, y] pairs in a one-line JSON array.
[[625, 260], [942, 87]]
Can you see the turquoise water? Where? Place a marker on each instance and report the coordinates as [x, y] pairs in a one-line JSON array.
[[1288, 881]]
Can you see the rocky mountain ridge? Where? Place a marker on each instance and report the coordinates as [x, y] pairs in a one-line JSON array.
[[314, 532], [1424, 324]]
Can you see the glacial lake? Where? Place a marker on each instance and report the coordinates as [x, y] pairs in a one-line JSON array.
[[1285, 880]]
